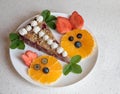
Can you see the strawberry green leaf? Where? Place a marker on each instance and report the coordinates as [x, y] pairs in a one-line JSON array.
[[51, 18], [13, 36], [76, 68], [75, 59], [51, 25], [45, 14], [14, 44], [67, 69], [21, 45]]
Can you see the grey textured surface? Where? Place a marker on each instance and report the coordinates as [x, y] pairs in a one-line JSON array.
[[101, 16]]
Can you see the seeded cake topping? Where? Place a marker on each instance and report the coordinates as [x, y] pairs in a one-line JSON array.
[[34, 23], [41, 33], [64, 54], [49, 41], [39, 18], [46, 37], [36, 29], [28, 28], [60, 50], [54, 45], [22, 31]]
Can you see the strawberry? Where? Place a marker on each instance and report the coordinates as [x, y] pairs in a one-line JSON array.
[[26, 60], [76, 20], [28, 57], [31, 55], [63, 25]]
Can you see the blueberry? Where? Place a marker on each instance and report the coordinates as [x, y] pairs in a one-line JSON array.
[[44, 60], [45, 70], [77, 44], [36, 67], [71, 38], [79, 35]]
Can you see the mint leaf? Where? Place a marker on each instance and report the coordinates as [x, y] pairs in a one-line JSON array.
[[13, 36], [75, 59], [21, 45], [67, 69], [14, 44], [51, 25], [76, 68], [51, 18], [45, 14]]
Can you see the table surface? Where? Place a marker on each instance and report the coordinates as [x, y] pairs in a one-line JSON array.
[[101, 16]]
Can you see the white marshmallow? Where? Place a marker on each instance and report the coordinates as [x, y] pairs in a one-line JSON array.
[[28, 28], [34, 23], [41, 33], [60, 50], [54, 45], [49, 41], [22, 31], [46, 37], [36, 29], [39, 18], [64, 54]]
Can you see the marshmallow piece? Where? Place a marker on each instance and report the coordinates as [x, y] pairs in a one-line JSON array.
[[22, 31], [46, 37], [33, 23], [41, 33], [49, 41], [60, 50], [64, 54], [54, 45], [39, 18], [36, 29], [28, 28]]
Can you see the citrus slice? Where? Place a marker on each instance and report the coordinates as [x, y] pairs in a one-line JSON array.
[[45, 69], [78, 42]]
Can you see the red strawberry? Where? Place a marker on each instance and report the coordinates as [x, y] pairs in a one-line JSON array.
[[76, 20], [26, 60], [31, 55], [63, 25], [28, 57]]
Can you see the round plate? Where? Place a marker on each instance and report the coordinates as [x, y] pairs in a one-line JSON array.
[[87, 64]]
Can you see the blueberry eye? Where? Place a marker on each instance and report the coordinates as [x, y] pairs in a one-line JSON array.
[[79, 35], [45, 70], [71, 38], [36, 67], [77, 44], [44, 60]]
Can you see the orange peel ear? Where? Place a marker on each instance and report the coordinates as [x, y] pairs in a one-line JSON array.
[[86, 40]]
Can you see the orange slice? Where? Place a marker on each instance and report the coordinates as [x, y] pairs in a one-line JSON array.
[[84, 46], [45, 69]]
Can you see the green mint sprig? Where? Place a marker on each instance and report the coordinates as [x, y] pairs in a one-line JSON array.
[[73, 66], [49, 19], [15, 41]]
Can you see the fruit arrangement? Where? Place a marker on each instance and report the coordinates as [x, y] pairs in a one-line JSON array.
[[75, 44]]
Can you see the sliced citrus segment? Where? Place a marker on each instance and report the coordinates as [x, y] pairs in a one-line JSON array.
[[82, 43], [45, 69]]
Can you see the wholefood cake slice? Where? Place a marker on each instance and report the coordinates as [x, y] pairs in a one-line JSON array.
[[38, 35]]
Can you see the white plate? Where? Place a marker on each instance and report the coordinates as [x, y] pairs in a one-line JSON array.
[[87, 64]]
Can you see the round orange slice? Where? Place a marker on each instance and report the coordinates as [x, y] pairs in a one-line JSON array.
[[78, 42], [45, 69]]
